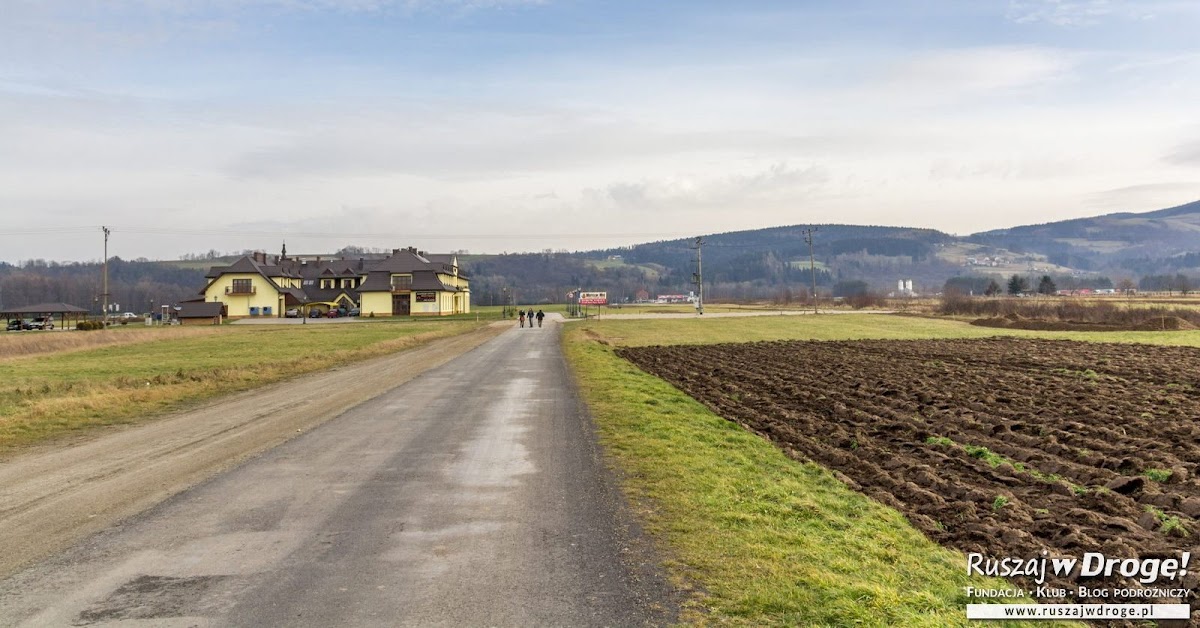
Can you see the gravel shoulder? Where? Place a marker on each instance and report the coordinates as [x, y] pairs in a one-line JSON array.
[[53, 496]]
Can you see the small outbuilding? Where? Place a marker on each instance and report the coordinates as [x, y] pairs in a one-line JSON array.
[[201, 312]]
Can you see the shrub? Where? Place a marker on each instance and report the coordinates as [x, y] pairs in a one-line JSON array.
[[864, 300]]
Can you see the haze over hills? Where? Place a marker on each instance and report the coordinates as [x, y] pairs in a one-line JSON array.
[[1103, 242], [771, 263]]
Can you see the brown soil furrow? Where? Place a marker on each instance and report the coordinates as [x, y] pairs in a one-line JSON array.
[[1059, 420]]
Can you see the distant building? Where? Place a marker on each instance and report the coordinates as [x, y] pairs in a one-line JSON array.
[[406, 283]]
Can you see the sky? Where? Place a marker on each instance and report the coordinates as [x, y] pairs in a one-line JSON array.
[[523, 125]]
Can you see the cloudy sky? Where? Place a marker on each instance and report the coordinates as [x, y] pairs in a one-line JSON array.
[[510, 125]]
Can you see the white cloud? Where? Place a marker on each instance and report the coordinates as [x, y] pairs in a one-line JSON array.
[[1148, 195], [980, 70], [1185, 154], [1084, 13], [703, 192]]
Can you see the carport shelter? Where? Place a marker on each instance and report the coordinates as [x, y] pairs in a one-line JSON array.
[[64, 311]]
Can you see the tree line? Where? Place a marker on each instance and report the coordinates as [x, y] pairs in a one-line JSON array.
[[134, 285]]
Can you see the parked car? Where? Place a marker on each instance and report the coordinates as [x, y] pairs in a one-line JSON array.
[[16, 324], [353, 312], [314, 313], [38, 323], [129, 315], [292, 313], [334, 313]]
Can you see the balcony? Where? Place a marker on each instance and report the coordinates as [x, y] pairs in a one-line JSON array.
[[240, 290]]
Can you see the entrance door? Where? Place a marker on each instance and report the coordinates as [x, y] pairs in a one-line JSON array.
[[401, 305]]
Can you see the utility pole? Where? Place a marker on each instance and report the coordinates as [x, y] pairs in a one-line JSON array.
[[105, 294], [698, 278], [812, 263]]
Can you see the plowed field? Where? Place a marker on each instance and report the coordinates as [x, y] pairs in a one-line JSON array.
[[1006, 447]]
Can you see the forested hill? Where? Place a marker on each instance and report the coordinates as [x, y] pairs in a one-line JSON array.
[[131, 285], [729, 252], [757, 264], [1107, 242]]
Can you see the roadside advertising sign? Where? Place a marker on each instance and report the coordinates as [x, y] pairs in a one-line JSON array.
[[593, 298]]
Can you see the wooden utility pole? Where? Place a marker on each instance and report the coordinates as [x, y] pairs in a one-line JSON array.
[[699, 276], [812, 264]]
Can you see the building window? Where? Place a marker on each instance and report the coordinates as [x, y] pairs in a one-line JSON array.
[[242, 286], [402, 282]]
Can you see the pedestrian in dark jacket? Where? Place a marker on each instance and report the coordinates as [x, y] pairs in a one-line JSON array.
[[540, 316]]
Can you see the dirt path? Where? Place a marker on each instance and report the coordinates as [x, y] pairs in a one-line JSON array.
[[54, 496]]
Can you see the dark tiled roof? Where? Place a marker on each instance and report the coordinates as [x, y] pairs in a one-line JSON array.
[[294, 296], [402, 261], [199, 309], [378, 281], [428, 281], [47, 308]]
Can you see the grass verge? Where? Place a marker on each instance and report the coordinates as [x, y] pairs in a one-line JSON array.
[[765, 540], [47, 396]]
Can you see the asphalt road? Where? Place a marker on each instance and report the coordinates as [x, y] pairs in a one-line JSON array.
[[473, 495]]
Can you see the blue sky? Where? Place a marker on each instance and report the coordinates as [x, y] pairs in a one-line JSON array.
[[508, 125]]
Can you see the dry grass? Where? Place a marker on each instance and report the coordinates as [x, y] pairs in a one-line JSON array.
[[16, 345], [1106, 312], [132, 379]]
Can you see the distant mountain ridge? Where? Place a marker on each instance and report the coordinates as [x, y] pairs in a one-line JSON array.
[[771, 263], [1102, 242]]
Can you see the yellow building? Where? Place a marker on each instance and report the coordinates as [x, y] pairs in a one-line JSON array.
[[407, 282]]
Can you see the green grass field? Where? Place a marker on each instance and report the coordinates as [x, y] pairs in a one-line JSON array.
[[49, 395], [757, 537]]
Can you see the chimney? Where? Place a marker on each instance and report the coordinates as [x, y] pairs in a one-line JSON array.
[[396, 251], [361, 263]]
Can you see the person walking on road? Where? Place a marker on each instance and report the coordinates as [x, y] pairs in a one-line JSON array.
[[522, 317], [540, 316], [529, 315]]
